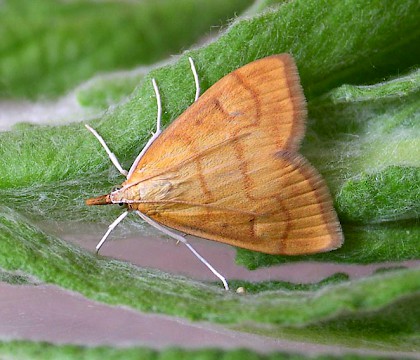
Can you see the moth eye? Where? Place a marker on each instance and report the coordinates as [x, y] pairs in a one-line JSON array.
[[115, 188], [121, 204]]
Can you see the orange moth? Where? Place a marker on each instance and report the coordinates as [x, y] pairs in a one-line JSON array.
[[228, 169]]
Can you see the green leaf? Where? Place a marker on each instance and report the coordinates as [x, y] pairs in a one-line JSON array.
[[104, 91], [15, 278], [369, 137], [49, 46], [44, 351]]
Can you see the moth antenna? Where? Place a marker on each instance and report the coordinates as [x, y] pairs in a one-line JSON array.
[[155, 135], [185, 242], [197, 83], [159, 106], [110, 228], [111, 155]]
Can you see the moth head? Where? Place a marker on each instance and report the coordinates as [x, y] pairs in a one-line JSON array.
[[118, 196]]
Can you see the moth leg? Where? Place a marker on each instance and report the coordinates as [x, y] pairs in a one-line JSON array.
[[154, 135], [180, 238], [110, 228], [183, 235], [197, 83], [111, 155]]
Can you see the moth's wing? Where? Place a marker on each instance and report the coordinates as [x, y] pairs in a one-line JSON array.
[[276, 203], [227, 169], [263, 98]]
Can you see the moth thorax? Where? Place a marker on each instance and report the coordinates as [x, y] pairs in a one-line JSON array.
[[124, 195], [154, 189]]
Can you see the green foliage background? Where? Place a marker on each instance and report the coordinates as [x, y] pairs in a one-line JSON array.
[[358, 63]]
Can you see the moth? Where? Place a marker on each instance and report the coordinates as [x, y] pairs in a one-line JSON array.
[[228, 169]]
